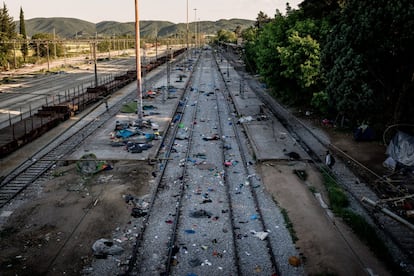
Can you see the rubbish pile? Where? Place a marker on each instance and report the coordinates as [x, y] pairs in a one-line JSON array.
[[131, 136], [89, 164]]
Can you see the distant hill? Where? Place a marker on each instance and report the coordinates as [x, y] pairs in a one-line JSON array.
[[72, 27]]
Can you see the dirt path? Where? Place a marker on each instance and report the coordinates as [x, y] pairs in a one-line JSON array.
[[327, 246]]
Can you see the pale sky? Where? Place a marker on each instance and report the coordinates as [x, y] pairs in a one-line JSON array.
[[167, 10]]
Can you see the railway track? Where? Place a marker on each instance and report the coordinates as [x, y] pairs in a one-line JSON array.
[[204, 208], [38, 164], [209, 177], [358, 180]]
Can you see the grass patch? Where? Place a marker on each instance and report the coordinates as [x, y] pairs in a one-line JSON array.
[[288, 222], [130, 107], [365, 232], [289, 225], [337, 196]]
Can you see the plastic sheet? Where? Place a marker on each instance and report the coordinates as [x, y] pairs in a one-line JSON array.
[[401, 149]]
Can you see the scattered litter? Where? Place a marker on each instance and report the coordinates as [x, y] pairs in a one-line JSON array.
[[227, 146], [201, 155], [217, 254], [254, 217], [125, 133], [321, 201], [213, 137], [261, 234], [137, 147], [206, 201], [6, 214], [206, 262], [200, 214], [245, 119], [195, 262], [138, 212], [88, 164], [293, 155], [149, 107], [294, 261], [128, 198], [189, 231], [103, 247]]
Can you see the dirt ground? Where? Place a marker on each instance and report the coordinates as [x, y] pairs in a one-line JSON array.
[[53, 234], [326, 244]]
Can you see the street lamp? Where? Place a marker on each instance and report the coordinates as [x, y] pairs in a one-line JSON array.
[[138, 64]]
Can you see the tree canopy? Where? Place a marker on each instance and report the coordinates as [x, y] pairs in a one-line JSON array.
[[344, 58], [22, 27], [7, 33]]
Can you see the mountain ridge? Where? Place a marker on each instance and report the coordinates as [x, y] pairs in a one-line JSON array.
[[66, 27]]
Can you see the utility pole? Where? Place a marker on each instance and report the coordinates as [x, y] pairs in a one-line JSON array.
[[54, 42], [187, 31], [156, 45], [95, 63], [138, 63], [195, 29], [14, 53], [48, 58]]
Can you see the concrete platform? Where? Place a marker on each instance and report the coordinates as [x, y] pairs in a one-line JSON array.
[[100, 143], [270, 140]]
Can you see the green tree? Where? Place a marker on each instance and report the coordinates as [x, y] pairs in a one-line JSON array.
[[103, 46], [261, 20], [272, 36], [288, 57], [42, 44], [300, 58], [7, 33], [226, 36], [24, 48], [249, 36], [368, 62]]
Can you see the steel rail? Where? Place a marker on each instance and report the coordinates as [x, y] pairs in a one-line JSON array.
[[246, 170], [168, 139]]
